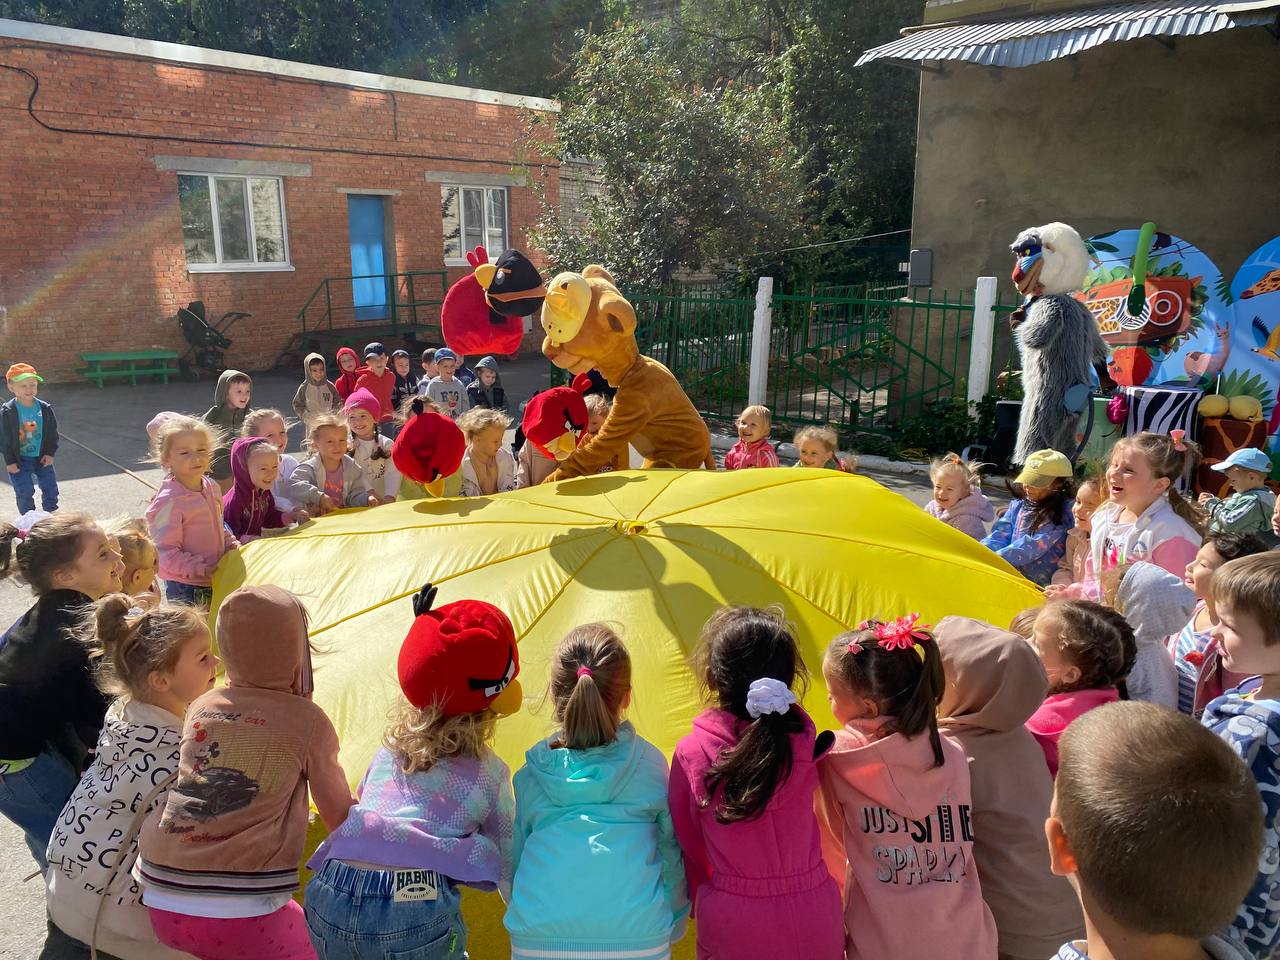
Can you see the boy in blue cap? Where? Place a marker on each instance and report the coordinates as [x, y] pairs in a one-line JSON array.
[[445, 390], [377, 379], [1248, 509]]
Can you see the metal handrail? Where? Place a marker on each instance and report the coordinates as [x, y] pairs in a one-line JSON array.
[[394, 304]]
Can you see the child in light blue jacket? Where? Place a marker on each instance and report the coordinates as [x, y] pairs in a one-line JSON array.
[[597, 870], [1032, 534]]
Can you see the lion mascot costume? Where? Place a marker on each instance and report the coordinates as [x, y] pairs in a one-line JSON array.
[[589, 324], [1057, 336]]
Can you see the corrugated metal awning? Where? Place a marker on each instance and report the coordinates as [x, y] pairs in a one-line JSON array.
[[1020, 43]]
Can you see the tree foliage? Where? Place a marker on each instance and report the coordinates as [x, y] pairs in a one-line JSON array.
[[737, 131], [689, 171]]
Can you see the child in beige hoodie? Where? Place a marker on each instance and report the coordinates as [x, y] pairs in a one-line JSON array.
[[995, 682], [218, 863]]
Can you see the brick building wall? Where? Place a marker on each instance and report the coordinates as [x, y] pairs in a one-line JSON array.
[[91, 251]]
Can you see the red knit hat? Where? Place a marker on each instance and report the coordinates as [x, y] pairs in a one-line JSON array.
[[429, 446], [361, 398], [551, 414], [462, 656]]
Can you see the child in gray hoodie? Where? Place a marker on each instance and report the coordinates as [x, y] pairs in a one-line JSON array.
[[316, 394], [1156, 604]]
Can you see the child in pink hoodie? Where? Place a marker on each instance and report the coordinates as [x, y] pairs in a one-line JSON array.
[[1087, 651], [741, 794], [897, 814], [186, 514]]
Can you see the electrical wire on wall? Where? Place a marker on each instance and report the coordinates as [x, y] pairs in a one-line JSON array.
[[226, 142]]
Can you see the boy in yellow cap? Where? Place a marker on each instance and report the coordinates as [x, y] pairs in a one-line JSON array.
[[29, 433]]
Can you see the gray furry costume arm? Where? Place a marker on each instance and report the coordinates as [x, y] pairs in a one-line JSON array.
[[1060, 346]]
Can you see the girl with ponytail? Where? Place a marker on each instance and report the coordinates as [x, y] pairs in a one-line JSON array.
[[742, 794], [153, 660], [597, 867], [895, 801]]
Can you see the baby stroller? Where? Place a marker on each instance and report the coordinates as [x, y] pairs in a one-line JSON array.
[[207, 340]]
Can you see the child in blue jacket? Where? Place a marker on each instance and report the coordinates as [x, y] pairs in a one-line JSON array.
[[597, 870], [1032, 534]]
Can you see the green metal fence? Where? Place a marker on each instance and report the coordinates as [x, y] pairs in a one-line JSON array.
[[863, 358], [703, 336]]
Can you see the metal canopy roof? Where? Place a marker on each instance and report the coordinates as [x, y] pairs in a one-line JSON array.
[[1023, 42]]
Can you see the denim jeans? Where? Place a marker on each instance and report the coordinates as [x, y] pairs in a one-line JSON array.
[[60, 946], [353, 914], [33, 798], [24, 485], [176, 592]]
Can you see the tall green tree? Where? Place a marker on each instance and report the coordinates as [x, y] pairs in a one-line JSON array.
[[691, 174]]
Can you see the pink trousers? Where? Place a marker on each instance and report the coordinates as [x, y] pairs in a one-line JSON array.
[[277, 936]]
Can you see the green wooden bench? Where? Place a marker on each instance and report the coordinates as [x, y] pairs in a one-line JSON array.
[[133, 364]]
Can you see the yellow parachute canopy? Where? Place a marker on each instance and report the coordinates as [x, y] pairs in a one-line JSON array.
[[652, 552]]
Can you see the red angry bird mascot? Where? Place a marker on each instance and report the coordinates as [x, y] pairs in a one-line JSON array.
[[429, 448], [554, 420], [460, 658], [482, 312]]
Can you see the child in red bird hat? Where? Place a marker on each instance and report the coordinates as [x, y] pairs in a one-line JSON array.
[[436, 810], [553, 422], [429, 449]]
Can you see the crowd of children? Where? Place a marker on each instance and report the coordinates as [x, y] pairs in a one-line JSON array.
[[988, 793]]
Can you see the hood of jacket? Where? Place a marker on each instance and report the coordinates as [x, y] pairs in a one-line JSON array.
[[895, 772], [243, 495], [598, 775], [130, 730], [224, 382], [974, 505], [994, 678], [262, 639], [306, 366], [1155, 602], [717, 730], [488, 363]]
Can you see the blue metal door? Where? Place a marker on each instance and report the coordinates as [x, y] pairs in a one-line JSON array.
[[367, 226]]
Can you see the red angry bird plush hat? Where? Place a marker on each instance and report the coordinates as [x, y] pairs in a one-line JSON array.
[[429, 447], [553, 419], [482, 312], [462, 657]]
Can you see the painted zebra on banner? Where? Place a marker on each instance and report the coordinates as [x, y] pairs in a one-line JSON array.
[[1161, 409]]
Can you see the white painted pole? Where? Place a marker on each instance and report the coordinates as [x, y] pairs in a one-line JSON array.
[[761, 337], [981, 338]]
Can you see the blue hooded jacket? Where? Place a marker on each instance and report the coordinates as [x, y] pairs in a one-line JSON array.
[[1252, 729], [597, 870]]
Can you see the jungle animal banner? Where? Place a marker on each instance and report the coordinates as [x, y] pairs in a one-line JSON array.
[[1198, 329]]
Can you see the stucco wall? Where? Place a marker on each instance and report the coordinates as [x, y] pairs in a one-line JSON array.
[[1127, 132]]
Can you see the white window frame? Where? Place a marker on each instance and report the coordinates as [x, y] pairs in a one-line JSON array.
[[462, 223], [254, 267]]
